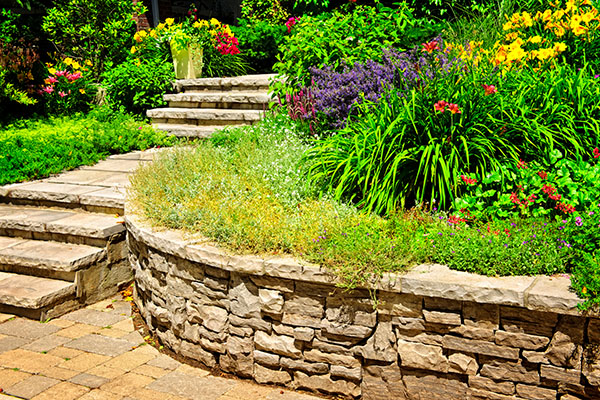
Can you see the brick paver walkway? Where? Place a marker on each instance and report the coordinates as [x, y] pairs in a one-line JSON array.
[[95, 353]]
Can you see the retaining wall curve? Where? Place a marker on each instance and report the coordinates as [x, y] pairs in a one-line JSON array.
[[436, 334]]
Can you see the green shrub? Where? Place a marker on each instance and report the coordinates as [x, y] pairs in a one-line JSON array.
[[67, 88], [270, 11], [217, 64], [96, 30], [586, 279], [259, 42], [139, 84], [554, 189], [341, 38], [37, 148]]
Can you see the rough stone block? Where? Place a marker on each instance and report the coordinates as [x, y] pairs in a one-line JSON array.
[[268, 375], [282, 345], [309, 368], [433, 386], [512, 371], [560, 374], [211, 317], [268, 359], [422, 356], [301, 320], [440, 317], [282, 285], [462, 364], [402, 305], [352, 331], [521, 340], [480, 382], [243, 297], [271, 301], [535, 392], [382, 382], [333, 359], [324, 383], [479, 347], [196, 352], [353, 374], [253, 323], [380, 346], [304, 305], [304, 334]]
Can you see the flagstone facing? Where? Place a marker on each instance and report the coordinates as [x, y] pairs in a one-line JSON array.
[[437, 334], [78, 367]]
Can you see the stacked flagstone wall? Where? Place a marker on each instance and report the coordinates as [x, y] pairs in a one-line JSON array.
[[436, 333]]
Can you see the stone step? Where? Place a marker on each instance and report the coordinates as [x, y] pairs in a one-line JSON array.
[[238, 100], [190, 131], [204, 116], [61, 225], [66, 191], [242, 83], [47, 259], [35, 297]]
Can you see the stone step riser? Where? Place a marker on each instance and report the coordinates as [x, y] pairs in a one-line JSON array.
[[225, 89], [101, 209], [220, 106], [200, 122], [61, 307], [63, 237], [68, 276]]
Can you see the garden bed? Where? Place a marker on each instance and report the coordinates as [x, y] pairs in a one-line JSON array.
[[435, 333]]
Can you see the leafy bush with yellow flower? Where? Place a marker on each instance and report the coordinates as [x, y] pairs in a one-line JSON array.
[[571, 32], [68, 87]]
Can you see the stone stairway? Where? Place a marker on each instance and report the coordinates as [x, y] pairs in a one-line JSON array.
[[62, 239], [204, 105]]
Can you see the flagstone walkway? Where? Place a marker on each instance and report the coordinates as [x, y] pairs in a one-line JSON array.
[[95, 353]]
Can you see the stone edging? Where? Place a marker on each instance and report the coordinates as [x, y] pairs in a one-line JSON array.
[[540, 293]]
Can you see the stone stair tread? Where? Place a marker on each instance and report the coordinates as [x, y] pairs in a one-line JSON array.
[[32, 292], [49, 255], [243, 81], [205, 114], [183, 130], [210, 96], [63, 221], [53, 190]]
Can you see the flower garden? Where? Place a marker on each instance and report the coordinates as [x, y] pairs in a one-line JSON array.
[[463, 133]]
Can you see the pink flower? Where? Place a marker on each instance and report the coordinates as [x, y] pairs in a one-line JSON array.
[[429, 47], [51, 79], [73, 77], [521, 164], [291, 22], [62, 94], [489, 89], [61, 73], [48, 89]]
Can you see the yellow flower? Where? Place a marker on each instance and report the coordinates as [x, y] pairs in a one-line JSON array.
[[516, 54], [587, 17], [545, 53], [138, 62], [160, 26], [579, 30], [82, 91], [214, 22], [169, 21], [68, 61], [153, 34], [133, 49], [560, 47], [559, 31], [535, 39], [507, 26], [75, 65], [197, 24], [137, 37], [88, 63], [51, 71]]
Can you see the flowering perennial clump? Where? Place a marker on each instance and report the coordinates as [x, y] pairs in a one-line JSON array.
[[537, 39]]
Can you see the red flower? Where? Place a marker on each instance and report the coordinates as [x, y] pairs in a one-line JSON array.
[[521, 164], [543, 174], [467, 180], [596, 152], [431, 46], [514, 198], [489, 89], [291, 22], [454, 108], [565, 208], [440, 106], [455, 219], [548, 189]]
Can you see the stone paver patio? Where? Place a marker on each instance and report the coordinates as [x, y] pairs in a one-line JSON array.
[[95, 353]]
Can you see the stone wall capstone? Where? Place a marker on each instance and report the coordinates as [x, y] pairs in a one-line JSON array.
[[436, 334]]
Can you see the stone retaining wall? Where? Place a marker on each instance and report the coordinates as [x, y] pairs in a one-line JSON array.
[[437, 334]]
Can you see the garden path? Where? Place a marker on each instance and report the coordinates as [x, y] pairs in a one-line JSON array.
[[96, 353]]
